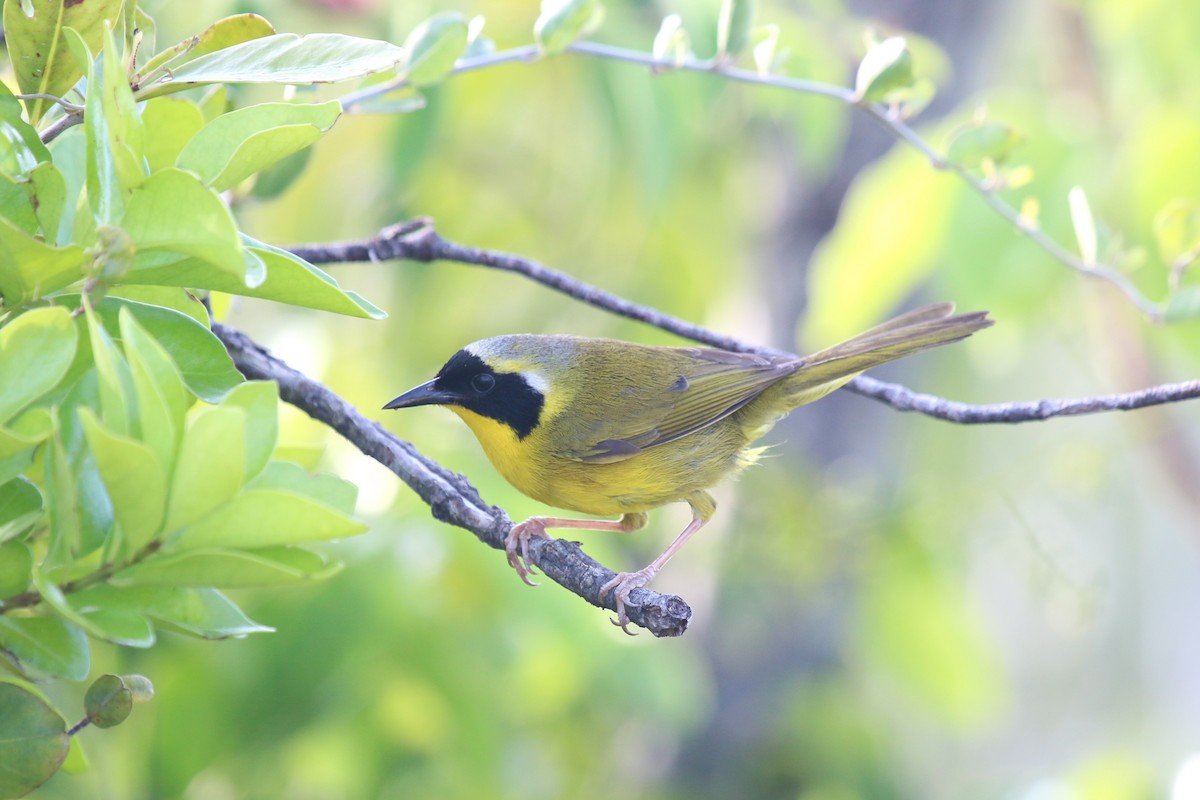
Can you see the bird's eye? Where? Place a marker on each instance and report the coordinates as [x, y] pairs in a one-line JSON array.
[[483, 383]]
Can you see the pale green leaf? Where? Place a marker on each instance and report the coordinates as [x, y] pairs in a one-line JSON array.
[[227, 569], [211, 467], [221, 34], [734, 23], [20, 506], [201, 612], [162, 399], [49, 645], [27, 431], [99, 619], [201, 359], [31, 268], [20, 148], [170, 124], [1084, 224], [335, 492], [36, 350], [562, 22], [135, 480], [236, 145], [206, 231], [260, 402], [433, 47], [265, 518], [290, 279], [886, 67], [16, 565], [281, 58]]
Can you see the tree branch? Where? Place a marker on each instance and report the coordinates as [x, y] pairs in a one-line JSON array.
[[417, 240], [450, 496]]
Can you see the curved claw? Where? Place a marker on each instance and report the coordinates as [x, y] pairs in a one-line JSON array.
[[518, 538], [621, 585]]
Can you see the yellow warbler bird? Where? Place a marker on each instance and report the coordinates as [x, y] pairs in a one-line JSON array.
[[610, 428]]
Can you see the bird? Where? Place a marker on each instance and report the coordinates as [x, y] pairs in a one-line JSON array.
[[612, 428]]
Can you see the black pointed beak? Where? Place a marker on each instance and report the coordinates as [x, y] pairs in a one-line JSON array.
[[423, 395]]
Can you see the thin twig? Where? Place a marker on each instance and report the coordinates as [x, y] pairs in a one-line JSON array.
[[450, 496], [418, 240], [881, 113]]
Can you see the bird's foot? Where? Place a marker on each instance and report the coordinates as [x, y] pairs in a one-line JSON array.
[[516, 546], [621, 585]]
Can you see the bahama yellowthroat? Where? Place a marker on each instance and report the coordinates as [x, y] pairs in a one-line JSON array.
[[606, 427]]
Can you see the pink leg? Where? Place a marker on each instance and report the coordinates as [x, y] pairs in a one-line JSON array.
[[625, 582], [518, 538]]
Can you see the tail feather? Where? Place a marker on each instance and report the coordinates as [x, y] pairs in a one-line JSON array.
[[921, 329]]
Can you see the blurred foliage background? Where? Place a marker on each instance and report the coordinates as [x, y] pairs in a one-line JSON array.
[[890, 607]]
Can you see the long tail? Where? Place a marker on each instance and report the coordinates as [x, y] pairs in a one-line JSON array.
[[926, 327]]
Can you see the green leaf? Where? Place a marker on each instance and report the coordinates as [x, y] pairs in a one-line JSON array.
[[290, 279], [281, 58], [1177, 231], [15, 206], [733, 27], [33, 737], [221, 34], [227, 569], [135, 480], [34, 35], [236, 145], [76, 496], [162, 400], [265, 518], [16, 567], [31, 268], [993, 141], [170, 124], [64, 506], [49, 645], [48, 193], [20, 148], [1183, 304], [562, 22], [116, 382], [205, 613], [275, 179], [108, 701], [20, 506], [329, 489], [886, 67], [95, 615], [1084, 224], [36, 350], [672, 42], [206, 231], [260, 402], [211, 467], [172, 297], [30, 429], [126, 138], [433, 47], [202, 360]]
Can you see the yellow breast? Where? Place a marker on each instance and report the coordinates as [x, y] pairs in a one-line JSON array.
[[656, 476]]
